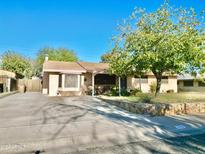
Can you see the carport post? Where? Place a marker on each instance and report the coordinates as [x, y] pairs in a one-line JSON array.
[[119, 86], [93, 84], [9, 85]]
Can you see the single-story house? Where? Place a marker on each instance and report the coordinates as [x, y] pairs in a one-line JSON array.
[[7, 81], [81, 78], [187, 82]]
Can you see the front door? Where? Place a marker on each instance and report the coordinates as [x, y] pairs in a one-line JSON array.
[[53, 84]]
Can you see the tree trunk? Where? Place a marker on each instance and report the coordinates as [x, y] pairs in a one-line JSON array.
[[158, 86], [119, 84], [140, 83], [159, 79]]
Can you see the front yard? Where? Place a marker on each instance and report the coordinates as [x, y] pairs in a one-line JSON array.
[[182, 97], [163, 104]]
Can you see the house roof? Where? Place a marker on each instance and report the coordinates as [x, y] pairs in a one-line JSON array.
[[78, 67], [188, 77], [75, 67], [94, 67], [63, 67], [4, 73]]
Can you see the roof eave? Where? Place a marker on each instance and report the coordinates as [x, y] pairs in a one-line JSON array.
[[65, 71]]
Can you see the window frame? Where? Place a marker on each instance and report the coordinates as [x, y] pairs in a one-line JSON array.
[[165, 80], [143, 78], [187, 84], [70, 88]]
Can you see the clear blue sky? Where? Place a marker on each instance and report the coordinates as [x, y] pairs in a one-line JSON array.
[[85, 26]]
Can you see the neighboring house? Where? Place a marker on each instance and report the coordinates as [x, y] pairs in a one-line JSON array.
[[7, 81], [80, 78], [169, 82], [186, 82]]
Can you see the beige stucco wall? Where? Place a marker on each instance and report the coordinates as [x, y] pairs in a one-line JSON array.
[[133, 83], [171, 85], [86, 84], [195, 87], [3, 80], [50, 82]]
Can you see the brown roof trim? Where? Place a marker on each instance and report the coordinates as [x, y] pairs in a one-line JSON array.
[[61, 66], [64, 71], [92, 67], [7, 73], [81, 65]]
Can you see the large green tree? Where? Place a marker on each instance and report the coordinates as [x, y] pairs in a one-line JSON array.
[[119, 64], [15, 62], [57, 54], [168, 40], [107, 57]]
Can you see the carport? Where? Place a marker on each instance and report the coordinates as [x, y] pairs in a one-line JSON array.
[[100, 77], [7, 81], [104, 82]]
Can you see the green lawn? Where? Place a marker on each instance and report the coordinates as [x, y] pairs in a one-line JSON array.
[[166, 97]]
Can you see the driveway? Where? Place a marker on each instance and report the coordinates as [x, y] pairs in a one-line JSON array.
[[32, 121]]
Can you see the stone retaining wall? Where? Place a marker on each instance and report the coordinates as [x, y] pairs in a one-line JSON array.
[[159, 108]]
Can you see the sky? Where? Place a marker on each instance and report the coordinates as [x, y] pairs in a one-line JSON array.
[[85, 26]]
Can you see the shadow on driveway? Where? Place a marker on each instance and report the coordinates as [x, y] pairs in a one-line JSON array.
[[64, 111]]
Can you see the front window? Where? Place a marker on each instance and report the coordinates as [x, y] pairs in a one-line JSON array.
[[71, 81], [188, 83], [165, 79], [143, 78]]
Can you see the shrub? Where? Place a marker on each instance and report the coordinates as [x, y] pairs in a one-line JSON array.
[[113, 91], [145, 99], [134, 92], [153, 86], [124, 92]]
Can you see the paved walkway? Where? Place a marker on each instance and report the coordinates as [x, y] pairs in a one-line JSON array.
[[31, 122]]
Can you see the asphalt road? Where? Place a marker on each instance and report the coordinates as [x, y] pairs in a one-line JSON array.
[[194, 144], [30, 122]]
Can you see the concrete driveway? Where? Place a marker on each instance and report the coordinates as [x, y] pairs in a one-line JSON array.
[[32, 121]]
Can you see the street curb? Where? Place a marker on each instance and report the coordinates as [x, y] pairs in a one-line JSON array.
[[8, 94]]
